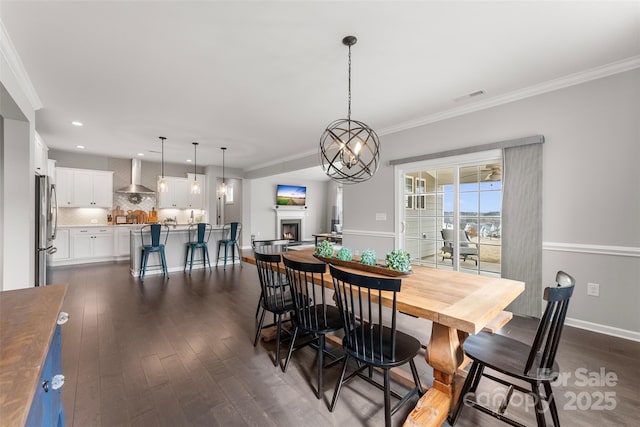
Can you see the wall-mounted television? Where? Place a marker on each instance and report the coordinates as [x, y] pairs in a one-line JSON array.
[[291, 195]]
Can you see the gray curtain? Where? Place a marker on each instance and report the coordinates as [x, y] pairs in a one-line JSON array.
[[522, 225]]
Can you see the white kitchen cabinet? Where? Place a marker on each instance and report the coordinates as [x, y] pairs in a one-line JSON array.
[[91, 242], [84, 188], [40, 156], [177, 195], [196, 201], [62, 244], [93, 188], [64, 187]]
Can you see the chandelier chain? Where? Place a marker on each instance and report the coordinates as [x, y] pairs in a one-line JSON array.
[[349, 110]]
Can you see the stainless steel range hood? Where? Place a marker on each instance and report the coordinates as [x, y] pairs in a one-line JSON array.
[[135, 186]]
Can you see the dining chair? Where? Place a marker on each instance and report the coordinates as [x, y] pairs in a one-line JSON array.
[[272, 246], [312, 312], [520, 362], [153, 242], [276, 296], [230, 233], [371, 336], [198, 235]]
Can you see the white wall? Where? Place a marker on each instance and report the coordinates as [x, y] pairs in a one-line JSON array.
[[262, 195], [591, 187]]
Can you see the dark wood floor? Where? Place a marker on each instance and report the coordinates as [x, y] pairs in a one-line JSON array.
[[179, 352]]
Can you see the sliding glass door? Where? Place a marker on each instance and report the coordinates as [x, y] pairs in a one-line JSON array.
[[452, 213]]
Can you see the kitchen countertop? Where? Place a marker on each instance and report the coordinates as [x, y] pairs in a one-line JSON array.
[[27, 322]]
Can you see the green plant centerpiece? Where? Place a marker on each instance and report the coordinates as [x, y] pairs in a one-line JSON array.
[[399, 260], [344, 254], [368, 257], [324, 249]]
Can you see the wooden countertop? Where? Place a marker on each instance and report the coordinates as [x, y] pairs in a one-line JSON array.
[[27, 323]]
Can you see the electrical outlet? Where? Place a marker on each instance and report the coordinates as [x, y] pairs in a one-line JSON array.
[[593, 289]]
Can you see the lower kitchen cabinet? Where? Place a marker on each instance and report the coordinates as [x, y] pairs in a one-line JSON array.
[[91, 242], [62, 245]]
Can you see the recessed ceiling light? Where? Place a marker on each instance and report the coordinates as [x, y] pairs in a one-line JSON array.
[[77, 123], [140, 154], [188, 160], [469, 95], [80, 146]]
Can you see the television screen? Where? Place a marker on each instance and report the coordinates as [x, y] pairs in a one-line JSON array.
[[291, 195]]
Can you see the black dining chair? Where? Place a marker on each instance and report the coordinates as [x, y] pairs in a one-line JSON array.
[[276, 296], [519, 362], [371, 336], [312, 312], [199, 235], [153, 241], [273, 246]]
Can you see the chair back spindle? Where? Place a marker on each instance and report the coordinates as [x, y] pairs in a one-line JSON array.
[[368, 325], [545, 344]]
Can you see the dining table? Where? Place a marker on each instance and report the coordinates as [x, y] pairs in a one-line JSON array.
[[457, 304]]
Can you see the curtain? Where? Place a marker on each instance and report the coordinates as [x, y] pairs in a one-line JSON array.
[[522, 225]]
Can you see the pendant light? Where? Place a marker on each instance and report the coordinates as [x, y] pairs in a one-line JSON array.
[[349, 149], [222, 188], [163, 187], [195, 185]]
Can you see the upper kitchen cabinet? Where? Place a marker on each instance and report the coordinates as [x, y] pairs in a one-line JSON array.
[[196, 201], [64, 187], [40, 156], [177, 195], [84, 188]]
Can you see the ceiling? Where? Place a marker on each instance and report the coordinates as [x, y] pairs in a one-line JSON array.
[[265, 78]]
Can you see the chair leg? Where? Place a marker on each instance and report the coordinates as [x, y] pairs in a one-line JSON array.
[[164, 262], [387, 399], [320, 365], [291, 345], [218, 254], [535, 388], [239, 254], [336, 393], [191, 261], [186, 257], [278, 333], [552, 404], [416, 377], [471, 378], [143, 264], [205, 254], [226, 248], [255, 341], [259, 304]]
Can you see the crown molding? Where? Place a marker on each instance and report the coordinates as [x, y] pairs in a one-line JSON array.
[[617, 67], [10, 55]]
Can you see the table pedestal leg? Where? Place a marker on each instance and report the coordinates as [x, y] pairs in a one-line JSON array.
[[445, 355]]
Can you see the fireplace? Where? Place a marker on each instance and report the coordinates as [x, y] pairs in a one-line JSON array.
[[290, 229]]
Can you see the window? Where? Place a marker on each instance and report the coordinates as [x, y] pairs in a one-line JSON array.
[[454, 206]]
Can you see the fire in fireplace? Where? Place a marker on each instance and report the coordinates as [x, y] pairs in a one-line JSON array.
[[290, 229]]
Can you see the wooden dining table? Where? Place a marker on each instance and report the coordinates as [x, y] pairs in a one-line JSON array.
[[457, 304]]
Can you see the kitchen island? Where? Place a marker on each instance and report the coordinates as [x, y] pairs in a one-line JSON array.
[[175, 250], [30, 356]]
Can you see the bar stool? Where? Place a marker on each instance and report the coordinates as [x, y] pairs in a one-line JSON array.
[[230, 233], [151, 237], [198, 239]]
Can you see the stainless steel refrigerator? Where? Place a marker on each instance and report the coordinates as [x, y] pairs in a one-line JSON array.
[[46, 226]]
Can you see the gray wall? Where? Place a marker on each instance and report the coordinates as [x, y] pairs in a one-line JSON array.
[[261, 217], [591, 187]]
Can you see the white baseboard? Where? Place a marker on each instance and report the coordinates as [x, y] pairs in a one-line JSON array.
[[603, 329]]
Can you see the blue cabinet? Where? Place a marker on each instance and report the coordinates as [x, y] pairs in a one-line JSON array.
[[46, 408]]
